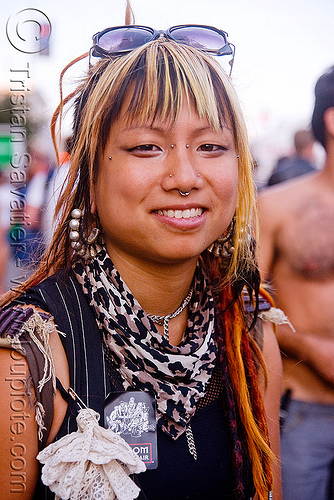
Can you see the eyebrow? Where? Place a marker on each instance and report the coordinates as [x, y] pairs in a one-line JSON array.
[[163, 130]]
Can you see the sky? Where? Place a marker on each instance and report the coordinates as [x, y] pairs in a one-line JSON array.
[[282, 47]]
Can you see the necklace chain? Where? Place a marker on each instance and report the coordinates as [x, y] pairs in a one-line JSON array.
[[164, 320], [191, 441]]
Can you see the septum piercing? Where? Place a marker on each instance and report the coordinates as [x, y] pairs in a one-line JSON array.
[[187, 193]]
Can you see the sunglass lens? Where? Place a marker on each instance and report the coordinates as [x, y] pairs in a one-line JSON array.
[[124, 39], [200, 37]]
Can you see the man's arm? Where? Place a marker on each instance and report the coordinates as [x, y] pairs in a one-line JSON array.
[[315, 351]]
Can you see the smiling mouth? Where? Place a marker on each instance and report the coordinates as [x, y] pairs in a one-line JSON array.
[[189, 213]]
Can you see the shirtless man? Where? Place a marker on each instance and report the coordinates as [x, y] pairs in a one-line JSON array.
[[297, 255]]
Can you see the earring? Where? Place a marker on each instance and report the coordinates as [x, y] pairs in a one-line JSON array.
[[74, 226], [85, 249], [223, 246]]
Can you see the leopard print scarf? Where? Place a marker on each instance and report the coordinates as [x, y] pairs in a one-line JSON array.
[[177, 375]]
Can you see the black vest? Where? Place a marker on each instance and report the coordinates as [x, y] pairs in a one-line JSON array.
[[178, 476]]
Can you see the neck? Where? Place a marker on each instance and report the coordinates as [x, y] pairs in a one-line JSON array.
[[159, 288], [327, 173]]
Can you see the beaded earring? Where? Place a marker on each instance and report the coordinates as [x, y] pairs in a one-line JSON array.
[[87, 249], [223, 246]]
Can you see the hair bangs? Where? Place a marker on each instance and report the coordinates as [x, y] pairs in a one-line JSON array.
[[165, 76]]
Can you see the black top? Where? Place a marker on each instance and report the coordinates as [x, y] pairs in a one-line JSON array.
[[289, 169], [178, 476]]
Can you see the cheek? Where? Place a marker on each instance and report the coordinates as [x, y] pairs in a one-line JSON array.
[[227, 189], [110, 185], [122, 179], [118, 195]]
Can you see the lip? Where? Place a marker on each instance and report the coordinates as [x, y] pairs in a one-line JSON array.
[[182, 216]]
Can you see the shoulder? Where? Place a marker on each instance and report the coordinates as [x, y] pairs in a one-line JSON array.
[[288, 190], [277, 203], [58, 294], [31, 357], [30, 333]]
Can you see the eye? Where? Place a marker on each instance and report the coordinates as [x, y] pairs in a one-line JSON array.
[[144, 148], [215, 148]]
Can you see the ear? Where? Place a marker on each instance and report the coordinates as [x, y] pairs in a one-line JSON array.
[[329, 121]]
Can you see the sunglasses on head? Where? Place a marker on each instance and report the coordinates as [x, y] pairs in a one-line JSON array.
[[122, 39]]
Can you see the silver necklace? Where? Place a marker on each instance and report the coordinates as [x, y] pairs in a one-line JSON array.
[[164, 320]]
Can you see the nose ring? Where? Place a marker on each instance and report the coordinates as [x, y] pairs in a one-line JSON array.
[[187, 193]]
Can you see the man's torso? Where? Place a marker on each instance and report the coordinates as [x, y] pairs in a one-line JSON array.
[[303, 273]]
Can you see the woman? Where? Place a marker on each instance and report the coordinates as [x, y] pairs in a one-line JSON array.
[[144, 276]]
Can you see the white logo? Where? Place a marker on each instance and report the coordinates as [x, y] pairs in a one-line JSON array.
[[130, 418]]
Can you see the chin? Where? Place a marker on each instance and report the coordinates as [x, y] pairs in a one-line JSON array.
[[182, 255]]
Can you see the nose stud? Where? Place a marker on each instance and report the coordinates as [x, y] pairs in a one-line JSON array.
[[187, 193]]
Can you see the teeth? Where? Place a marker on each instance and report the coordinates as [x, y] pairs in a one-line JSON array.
[[182, 214]]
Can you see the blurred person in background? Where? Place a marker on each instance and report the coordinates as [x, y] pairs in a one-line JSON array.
[[4, 257], [55, 185], [5, 199], [300, 163], [296, 255], [28, 253]]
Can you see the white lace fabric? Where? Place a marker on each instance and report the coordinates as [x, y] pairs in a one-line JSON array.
[[93, 463], [276, 316]]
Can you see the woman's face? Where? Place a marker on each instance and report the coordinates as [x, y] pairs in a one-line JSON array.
[[144, 217]]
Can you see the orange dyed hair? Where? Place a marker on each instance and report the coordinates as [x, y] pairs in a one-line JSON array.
[[241, 352]]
